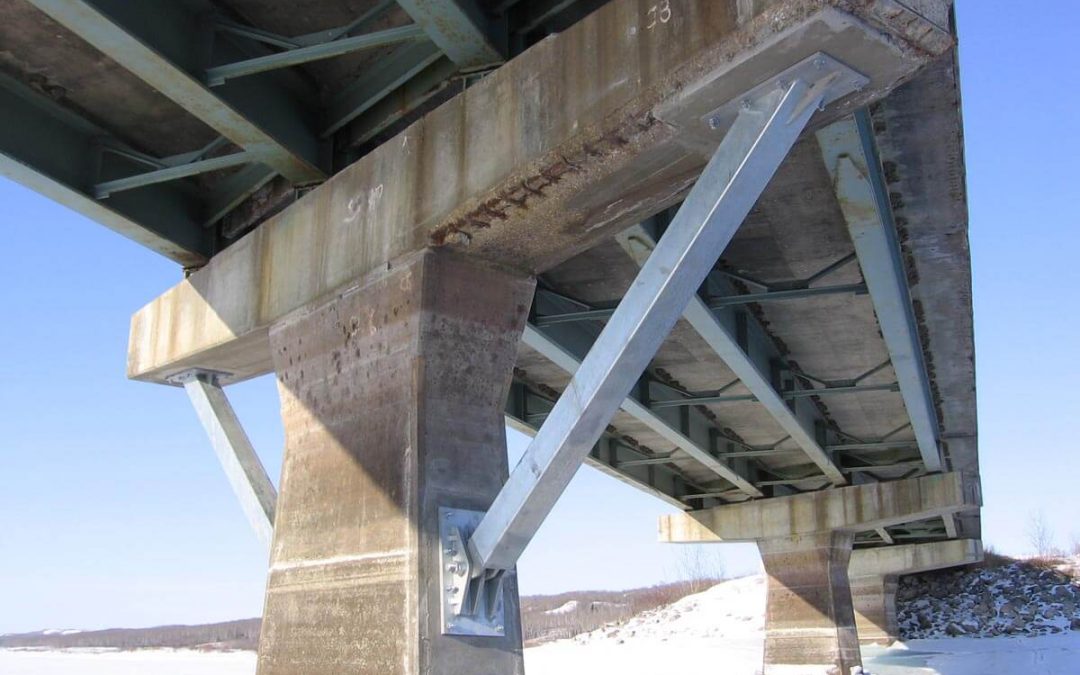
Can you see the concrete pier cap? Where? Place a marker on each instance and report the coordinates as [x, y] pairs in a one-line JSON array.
[[856, 508], [874, 574], [564, 146], [806, 542]]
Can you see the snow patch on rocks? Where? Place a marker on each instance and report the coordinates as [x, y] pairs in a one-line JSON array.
[[1022, 598]]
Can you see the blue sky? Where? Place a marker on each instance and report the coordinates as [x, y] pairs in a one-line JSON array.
[[114, 511]]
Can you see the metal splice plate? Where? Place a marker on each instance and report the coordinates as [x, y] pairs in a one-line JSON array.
[[839, 81], [470, 606]]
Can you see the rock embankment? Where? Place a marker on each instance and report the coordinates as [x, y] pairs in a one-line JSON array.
[[1022, 598]]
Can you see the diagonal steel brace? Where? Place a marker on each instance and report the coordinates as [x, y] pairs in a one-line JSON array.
[[767, 122], [245, 472]]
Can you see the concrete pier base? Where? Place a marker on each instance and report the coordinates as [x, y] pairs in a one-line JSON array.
[[874, 574], [874, 600], [805, 542], [809, 621], [392, 398]]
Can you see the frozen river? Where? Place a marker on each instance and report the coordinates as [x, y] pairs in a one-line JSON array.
[[1051, 655]]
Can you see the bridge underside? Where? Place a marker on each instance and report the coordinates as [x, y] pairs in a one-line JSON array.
[[365, 193]]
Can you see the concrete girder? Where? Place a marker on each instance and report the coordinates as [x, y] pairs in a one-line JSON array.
[[855, 508], [526, 168]]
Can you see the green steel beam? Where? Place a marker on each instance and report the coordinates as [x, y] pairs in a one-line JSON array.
[[107, 188], [395, 70], [217, 75], [789, 395], [535, 14], [716, 302], [744, 344], [52, 151], [154, 41], [461, 30], [234, 190], [399, 103], [610, 455]]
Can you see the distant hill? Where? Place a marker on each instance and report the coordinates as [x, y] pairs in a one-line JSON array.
[[242, 634], [546, 618]]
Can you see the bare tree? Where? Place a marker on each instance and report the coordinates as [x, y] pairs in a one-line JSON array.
[[700, 566], [1040, 535]]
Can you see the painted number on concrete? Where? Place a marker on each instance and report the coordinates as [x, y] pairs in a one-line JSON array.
[[660, 13]]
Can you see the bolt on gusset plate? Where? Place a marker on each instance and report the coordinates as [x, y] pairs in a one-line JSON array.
[[472, 601]]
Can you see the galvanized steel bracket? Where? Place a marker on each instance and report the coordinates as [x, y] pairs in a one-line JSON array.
[[472, 600]]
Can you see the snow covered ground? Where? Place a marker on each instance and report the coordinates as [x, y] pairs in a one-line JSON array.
[[147, 662], [720, 628]]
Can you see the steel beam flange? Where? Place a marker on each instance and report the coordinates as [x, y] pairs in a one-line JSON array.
[[472, 600], [218, 377]]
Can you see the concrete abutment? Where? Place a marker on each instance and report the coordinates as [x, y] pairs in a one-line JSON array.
[[392, 398]]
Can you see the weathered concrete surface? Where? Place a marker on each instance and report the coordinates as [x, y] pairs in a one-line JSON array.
[[392, 398], [873, 574], [874, 601], [577, 138], [855, 508], [809, 622], [921, 141]]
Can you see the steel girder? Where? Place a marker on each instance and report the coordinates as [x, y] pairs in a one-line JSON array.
[[850, 155], [53, 151], [155, 42], [214, 67]]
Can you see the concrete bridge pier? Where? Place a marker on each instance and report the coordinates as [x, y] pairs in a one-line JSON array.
[[810, 625], [392, 398], [806, 547], [874, 599], [874, 574]]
